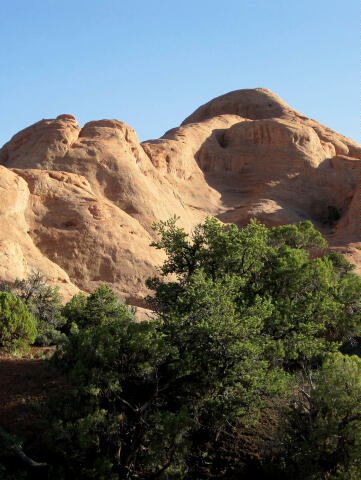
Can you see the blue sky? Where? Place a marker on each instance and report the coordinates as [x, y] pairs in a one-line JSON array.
[[151, 63]]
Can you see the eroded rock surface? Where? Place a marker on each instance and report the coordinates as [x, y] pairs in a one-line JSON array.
[[78, 203]]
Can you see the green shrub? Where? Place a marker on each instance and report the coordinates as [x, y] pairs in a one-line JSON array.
[[44, 303], [115, 416], [74, 313], [99, 307], [141, 391], [17, 326], [243, 313], [321, 436], [313, 303]]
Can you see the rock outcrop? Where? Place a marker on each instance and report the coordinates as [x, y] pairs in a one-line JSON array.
[[78, 203]]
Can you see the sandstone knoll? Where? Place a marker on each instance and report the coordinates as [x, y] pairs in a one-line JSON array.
[[78, 203]]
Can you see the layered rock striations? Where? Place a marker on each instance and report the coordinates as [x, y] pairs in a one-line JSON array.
[[78, 203]]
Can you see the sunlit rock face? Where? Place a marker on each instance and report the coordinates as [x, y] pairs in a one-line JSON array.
[[78, 203]]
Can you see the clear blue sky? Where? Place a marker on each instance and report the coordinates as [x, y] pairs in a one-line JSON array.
[[150, 63]]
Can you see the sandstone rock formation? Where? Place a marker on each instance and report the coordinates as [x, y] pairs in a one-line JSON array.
[[78, 203]]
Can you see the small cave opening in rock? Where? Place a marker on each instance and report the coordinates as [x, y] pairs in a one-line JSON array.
[[330, 216], [221, 139]]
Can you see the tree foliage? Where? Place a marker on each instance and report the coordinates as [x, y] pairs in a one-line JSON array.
[[321, 434], [116, 417], [44, 303], [101, 306], [313, 302], [17, 326], [153, 384], [240, 314], [73, 312]]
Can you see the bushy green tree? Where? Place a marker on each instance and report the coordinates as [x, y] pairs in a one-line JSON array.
[[73, 312], [44, 303], [142, 390], [305, 297], [239, 314], [99, 307], [220, 347], [321, 436], [117, 416], [17, 326], [313, 300]]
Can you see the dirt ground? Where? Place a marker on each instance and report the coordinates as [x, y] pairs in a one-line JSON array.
[[24, 384]]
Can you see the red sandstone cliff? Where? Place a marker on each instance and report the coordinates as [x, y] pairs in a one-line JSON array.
[[78, 203]]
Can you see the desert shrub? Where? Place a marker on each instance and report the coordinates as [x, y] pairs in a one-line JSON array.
[[17, 325], [44, 303], [313, 302], [321, 426], [5, 287], [141, 391], [74, 312], [242, 313], [116, 408], [306, 299], [103, 305], [99, 307]]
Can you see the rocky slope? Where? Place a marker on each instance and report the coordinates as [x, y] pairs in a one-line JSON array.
[[78, 203]]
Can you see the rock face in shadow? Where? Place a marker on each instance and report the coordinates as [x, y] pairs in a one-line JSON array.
[[78, 203]]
